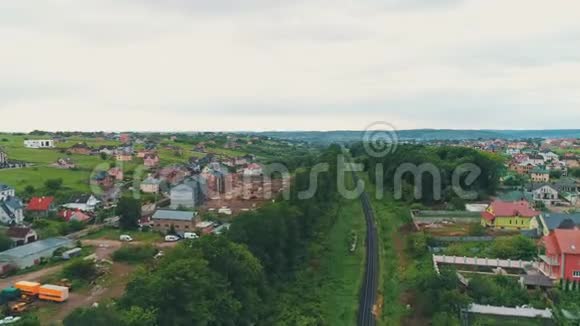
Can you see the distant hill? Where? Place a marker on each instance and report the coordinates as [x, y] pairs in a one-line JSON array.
[[421, 134]]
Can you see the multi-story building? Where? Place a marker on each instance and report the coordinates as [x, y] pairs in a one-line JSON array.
[[180, 221], [562, 257]]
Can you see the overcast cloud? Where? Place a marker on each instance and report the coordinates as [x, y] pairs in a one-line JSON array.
[[288, 65]]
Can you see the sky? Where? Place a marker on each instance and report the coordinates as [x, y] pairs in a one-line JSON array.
[[188, 65]]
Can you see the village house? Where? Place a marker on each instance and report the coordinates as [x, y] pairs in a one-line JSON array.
[[539, 175], [3, 157], [21, 235], [545, 193], [150, 185], [80, 149], [116, 173], [124, 138], [41, 206], [537, 159], [562, 254], [86, 203], [508, 215], [173, 175], [74, 215], [107, 150], [124, 157], [181, 221], [550, 156], [39, 143], [11, 211], [6, 191], [64, 163], [189, 194], [548, 222], [253, 169], [524, 167], [142, 153], [151, 160]]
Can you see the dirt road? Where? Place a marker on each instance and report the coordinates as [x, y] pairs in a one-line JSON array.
[[32, 276]]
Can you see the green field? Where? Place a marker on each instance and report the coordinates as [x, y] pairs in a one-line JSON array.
[[37, 176]]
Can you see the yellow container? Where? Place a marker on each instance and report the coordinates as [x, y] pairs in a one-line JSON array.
[[53, 293], [28, 288]]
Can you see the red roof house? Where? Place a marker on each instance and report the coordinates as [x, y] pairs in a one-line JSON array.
[[503, 214], [69, 215], [41, 204], [562, 257]]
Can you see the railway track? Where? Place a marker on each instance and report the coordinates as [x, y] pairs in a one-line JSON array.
[[368, 296]]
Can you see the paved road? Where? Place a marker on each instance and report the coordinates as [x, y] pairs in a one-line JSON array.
[[370, 282]]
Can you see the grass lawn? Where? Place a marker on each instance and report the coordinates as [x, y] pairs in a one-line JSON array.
[[37, 176], [114, 234], [343, 271]]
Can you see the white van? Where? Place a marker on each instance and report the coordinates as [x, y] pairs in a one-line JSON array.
[[125, 238], [171, 238], [190, 235]]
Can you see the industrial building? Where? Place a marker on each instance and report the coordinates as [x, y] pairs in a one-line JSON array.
[[32, 253]]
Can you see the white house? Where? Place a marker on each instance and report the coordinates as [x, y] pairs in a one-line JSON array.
[[6, 191], [550, 156], [39, 143], [86, 203], [150, 185], [3, 157], [11, 211], [545, 193]]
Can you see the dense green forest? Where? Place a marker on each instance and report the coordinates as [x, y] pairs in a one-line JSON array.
[[447, 161]]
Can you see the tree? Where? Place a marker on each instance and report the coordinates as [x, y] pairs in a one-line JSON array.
[[103, 156], [129, 211], [5, 242], [80, 269], [100, 316], [209, 281], [555, 174], [53, 184], [29, 190]]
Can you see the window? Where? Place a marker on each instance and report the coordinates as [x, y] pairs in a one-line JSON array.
[[576, 274], [177, 226], [187, 226]]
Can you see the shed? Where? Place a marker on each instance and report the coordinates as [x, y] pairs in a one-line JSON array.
[[32, 253]]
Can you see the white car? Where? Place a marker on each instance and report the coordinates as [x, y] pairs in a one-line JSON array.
[[125, 238], [190, 235], [171, 238]]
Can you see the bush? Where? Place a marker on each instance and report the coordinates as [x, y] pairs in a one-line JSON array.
[[134, 254], [80, 269], [476, 230]]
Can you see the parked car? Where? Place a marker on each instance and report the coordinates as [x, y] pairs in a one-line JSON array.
[[126, 238], [171, 238], [190, 235]]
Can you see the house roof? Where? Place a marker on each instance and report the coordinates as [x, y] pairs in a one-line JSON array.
[[18, 232], [173, 215], [553, 221], [517, 208], [4, 187], [40, 204], [563, 241], [36, 247], [539, 170]]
